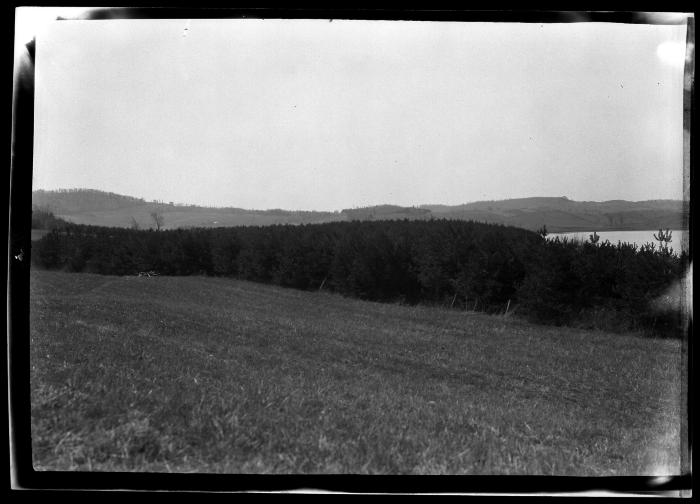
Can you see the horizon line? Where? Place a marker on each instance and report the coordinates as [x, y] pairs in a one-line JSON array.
[[417, 206]]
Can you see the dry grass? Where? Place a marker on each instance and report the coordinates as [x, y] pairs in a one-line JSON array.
[[215, 375]]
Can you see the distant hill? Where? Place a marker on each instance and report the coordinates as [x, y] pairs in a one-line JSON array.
[[563, 214], [387, 212], [89, 206]]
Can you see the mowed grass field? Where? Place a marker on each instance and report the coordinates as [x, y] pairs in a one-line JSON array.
[[212, 375]]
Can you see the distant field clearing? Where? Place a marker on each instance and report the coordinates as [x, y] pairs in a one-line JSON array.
[[173, 374], [38, 234]]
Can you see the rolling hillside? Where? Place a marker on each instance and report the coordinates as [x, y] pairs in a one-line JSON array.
[[85, 206], [563, 214], [98, 208], [176, 374]]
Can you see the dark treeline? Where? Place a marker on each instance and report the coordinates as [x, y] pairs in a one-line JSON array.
[[465, 265], [43, 218]]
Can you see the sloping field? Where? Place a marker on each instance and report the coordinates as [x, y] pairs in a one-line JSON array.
[[218, 375]]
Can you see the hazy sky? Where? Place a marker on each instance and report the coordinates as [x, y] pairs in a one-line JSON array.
[[321, 115]]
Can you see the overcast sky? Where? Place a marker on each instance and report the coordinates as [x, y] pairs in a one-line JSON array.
[[319, 115]]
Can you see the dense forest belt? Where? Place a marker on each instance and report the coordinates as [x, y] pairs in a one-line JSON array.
[[465, 265]]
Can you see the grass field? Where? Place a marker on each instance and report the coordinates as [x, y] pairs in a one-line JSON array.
[[192, 374]]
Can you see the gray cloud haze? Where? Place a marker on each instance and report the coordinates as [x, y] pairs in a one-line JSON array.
[[309, 114]]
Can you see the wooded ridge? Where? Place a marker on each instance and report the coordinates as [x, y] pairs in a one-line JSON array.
[[99, 208]]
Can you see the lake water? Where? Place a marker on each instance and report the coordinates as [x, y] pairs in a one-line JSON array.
[[639, 238]]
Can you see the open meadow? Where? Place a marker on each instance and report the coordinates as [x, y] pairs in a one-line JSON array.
[[214, 375]]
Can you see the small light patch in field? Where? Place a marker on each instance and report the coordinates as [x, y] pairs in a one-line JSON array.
[[662, 456], [664, 467], [102, 328]]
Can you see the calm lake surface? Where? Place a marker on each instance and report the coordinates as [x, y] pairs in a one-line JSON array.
[[678, 237]]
